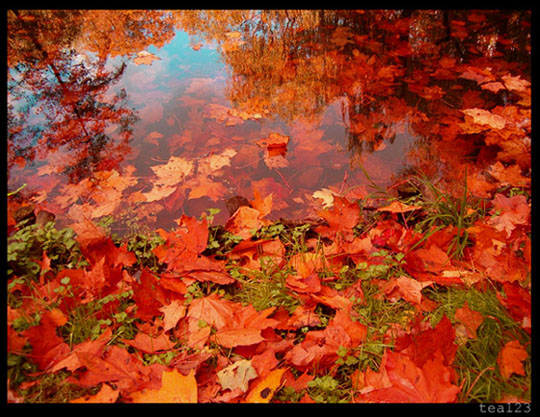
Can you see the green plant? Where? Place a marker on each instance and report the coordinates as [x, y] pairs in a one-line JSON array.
[[86, 321], [142, 245], [476, 359], [326, 389], [26, 246], [263, 289], [442, 209]]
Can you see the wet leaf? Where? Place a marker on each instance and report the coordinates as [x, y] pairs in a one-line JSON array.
[[485, 117]]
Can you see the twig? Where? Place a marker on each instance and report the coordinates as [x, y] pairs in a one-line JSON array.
[[490, 368]]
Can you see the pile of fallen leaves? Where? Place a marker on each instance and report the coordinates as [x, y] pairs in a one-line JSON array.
[[203, 346]]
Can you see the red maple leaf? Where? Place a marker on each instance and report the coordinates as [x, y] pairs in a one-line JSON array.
[[432, 382], [421, 346], [341, 219], [510, 358], [47, 346]]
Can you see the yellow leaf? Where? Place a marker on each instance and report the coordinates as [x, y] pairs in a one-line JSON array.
[[326, 196], [237, 375], [175, 388]]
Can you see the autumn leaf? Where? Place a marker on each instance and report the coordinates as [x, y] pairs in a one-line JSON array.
[[341, 219], [410, 383], [169, 175], [516, 83], [422, 346], [113, 365], [510, 358], [230, 338], [263, 390], [273, 140], [327, 197], [148, 295], [237, 375], [47, 346], [146, 343], [263, 205], [320, 347], [470, 319], [172, 313], [93, 347], [485, 118], [398, 207], [213, 163], [514, 211], [204, 186], [404, 287], [258, 254], [175, 388], [517, 301], [309, 284], [245, 221], [212, 309], [510, 175]]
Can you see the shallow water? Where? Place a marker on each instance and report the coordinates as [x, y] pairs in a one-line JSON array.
[[364, 98]]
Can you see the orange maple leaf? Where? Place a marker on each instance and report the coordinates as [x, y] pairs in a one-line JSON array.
[[245, 221], [470, 319], [429, 383], [175, 388], [510, 358], [513, 211], [398, 207], [485, 118], [146, 343], [264, 389]]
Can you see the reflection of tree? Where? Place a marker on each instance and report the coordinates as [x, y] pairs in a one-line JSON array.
[[60, 97], [387, 68]]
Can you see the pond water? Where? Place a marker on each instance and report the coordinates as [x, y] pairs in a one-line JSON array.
[[142, 116]]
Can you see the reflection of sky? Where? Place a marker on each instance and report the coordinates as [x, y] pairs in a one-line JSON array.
[[178, 61]]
